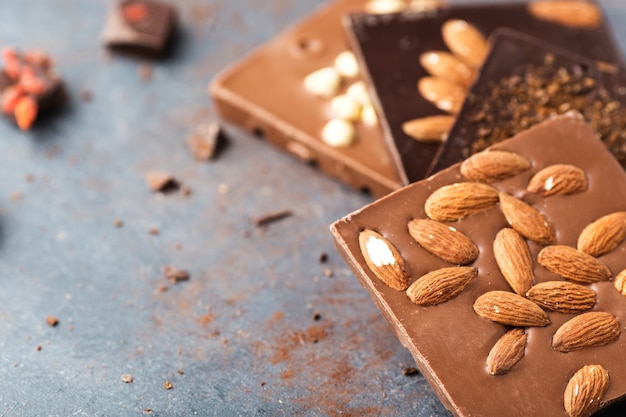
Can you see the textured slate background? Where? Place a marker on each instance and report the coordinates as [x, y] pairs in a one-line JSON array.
[[242, 330]]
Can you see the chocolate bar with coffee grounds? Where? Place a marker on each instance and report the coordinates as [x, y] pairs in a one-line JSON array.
[[420, 64], [525, 81], [499, 276]]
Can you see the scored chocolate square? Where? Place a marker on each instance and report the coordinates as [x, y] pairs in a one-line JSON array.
[[524, 81], [504, 276], [396, 50], [266, 94]]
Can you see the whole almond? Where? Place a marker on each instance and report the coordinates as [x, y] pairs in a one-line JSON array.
[[595, 328], [508, 308], [441, 285], [492, 166], [456, 201], [559, 179], [526, 220], [584, 391], [507, 351], [443, 94], [573, 265], [429, 129], [603, 235], [513, 258], [562, 296], [578, 14], [465, 41], [384, 260], [445, 65], [443, 241], [620, 282]]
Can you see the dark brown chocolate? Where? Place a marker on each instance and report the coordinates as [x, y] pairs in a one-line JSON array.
[[143, 26], [389, 48], [449, 341], [525, 81], [265, 94]]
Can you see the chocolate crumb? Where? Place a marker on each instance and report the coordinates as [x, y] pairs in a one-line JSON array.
[[205, 141], [175, 275], [85, 95], [147, 410], [168, 385], [271, 218], [52, 321], [317, 317], [38, 348], [162, 288], [262, 383], [15, 196], [161, 181], [329, 273], [185, 190], [154, 231], [323, 258], [127, 378], [118, 223], [178, 246], [29, 178], [145, 72], [410, 371], [180, 372]]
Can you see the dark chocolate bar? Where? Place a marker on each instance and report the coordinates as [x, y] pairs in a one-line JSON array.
[[265, 93], [143, 26], [478, 271], [525, 81], [389, 48]]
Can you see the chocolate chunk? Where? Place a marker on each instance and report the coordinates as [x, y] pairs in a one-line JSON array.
[[265, 94], [389, 48], [161, 181], [205, 141], [449, 341], [525, 81], [142, 26], [29, 87]]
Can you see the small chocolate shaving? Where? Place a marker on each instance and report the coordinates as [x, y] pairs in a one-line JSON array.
[[271, 218], [175, 275]]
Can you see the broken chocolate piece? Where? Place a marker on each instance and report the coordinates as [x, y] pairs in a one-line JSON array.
[[389, 49], [205, 141], [143, 26], [161, 181], [29, 86], [450, 342], [524, 81]]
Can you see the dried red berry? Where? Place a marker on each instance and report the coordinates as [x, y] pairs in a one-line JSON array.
[[10, 97], [25, 112], [135, 12]]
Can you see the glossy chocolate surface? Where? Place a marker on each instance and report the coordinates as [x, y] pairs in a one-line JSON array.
[[264, 93], [516, 55], [389, 47], [449, 341]]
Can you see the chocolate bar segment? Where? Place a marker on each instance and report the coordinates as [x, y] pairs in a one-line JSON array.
[[266, 94], [142, 26], [457, 343], [525, 81], [389, 48]]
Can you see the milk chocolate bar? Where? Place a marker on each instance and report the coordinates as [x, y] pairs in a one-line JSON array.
[[389, 48], [265, 93], [525, 81], [497, 276]]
